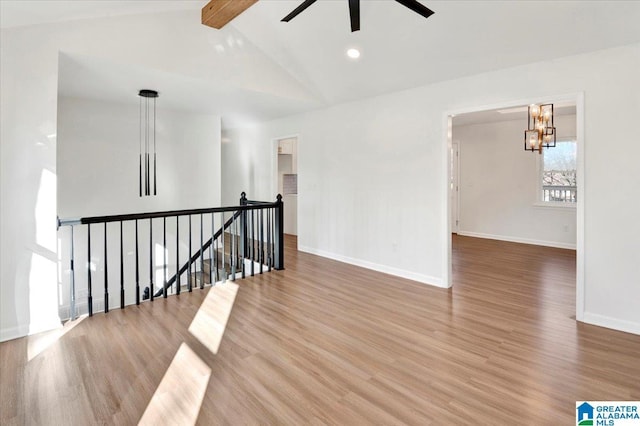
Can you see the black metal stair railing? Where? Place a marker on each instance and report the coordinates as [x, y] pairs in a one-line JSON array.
[[198, 256], [249, 240]]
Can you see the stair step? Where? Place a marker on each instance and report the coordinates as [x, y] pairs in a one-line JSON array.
[[227, 263], [196, 278]]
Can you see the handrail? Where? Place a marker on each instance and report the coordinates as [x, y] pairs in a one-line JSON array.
[[255, 205]]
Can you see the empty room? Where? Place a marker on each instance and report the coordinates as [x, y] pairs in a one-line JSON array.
[[336, 212]]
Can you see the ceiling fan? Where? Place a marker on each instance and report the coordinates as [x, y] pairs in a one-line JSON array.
[[354, 11], [218, 13]]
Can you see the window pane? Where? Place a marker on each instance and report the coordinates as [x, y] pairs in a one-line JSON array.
[[559, 173]]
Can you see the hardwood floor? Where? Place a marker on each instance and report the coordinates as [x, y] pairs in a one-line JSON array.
[[323, 342]]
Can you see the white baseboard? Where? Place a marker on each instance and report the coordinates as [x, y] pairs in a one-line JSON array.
[[414, 276], [13, 332], [613, 323], [25, 330], [511, 239]]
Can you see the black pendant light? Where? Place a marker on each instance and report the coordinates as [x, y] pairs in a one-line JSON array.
[[147, 141]]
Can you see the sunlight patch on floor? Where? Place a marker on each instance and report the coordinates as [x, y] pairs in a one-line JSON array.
[[210, 321], [178, 398], [38, 343]]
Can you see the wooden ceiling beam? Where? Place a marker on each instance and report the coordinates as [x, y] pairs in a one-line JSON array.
[[218, 13]]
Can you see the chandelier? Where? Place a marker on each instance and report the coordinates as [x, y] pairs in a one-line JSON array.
[[540, 130]]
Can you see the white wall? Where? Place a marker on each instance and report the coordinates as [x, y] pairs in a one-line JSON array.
[[247, 167], [499, 186], [98, 156], [371, 173]]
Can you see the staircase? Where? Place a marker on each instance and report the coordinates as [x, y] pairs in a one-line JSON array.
[[215, 268]]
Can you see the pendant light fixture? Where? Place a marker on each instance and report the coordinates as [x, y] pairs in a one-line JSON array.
[[147, 141], [540, 130]]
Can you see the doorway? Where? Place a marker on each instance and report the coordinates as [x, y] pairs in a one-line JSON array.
[[287, 173], [453, 208]]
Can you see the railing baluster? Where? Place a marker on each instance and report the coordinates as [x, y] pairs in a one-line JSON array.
[[137, 268], [216, 257], [266, 240], [90, 296], [106, 281], [151, 259], [121, 269], [213, 231], [201, 254], [253, 241], [177, 254], [269, 239], [72, 286], [189, 286], [261, 255], [164, 255], [224, 267], [273, 237], [243, 241], [232, 251]]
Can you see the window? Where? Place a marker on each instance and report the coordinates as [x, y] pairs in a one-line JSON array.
[[289, 184], [558, 174]]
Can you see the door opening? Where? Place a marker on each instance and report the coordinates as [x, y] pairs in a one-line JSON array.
[[287, 166], [466, 221]]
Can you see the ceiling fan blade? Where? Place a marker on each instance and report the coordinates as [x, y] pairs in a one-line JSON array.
[[416, 7], [354, 13], [298, 10]]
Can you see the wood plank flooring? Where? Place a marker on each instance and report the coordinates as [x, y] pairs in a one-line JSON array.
[[323, 342]]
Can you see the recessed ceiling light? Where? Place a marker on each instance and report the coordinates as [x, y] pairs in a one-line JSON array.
[[353, 53]]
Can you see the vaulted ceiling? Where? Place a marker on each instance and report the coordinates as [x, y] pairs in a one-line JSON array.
[[399, 49]]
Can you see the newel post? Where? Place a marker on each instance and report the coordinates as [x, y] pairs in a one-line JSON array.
[[278, 242], [244, 246]]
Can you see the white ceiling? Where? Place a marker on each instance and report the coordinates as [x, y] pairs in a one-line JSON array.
[[400, 49], [16, 13], [88, 77]]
